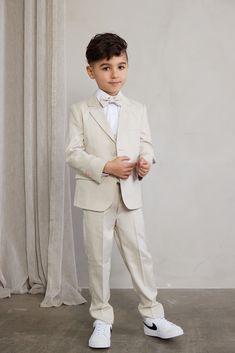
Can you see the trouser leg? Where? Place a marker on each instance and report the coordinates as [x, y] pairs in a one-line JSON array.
[[98, 231], [131, 241]]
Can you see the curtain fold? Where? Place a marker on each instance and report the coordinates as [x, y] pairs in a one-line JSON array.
[[36, 242]]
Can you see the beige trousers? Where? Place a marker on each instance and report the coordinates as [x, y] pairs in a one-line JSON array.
[[127, 227]]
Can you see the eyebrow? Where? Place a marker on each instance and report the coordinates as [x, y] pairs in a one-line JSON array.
[[107, 64]]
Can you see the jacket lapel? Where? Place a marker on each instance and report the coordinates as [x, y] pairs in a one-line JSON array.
[[123, 116], [97, 113]]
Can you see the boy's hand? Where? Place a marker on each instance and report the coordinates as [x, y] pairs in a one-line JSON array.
[[142, 167], [119, 167]]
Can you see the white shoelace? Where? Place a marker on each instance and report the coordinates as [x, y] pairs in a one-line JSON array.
[[100, 329], [165, 322]]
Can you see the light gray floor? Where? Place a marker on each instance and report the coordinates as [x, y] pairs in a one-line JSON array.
[[206, 315]]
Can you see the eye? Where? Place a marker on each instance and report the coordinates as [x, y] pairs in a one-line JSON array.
[[106, 68], [121, 67]]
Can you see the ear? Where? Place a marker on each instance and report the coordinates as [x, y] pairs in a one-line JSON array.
[[89, 70]]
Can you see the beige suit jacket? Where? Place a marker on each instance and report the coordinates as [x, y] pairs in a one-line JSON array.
[[90, 143]]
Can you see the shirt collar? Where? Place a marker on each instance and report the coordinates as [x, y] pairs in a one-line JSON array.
[[100, 93]]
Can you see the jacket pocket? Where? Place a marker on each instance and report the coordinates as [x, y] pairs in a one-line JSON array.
[[81, 177]]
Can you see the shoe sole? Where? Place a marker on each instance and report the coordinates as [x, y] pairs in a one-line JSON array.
[[150, 332], [99, 346]]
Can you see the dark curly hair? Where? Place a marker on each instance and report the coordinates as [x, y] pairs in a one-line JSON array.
[[105, 45]]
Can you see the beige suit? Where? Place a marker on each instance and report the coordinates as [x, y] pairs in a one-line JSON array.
[[112, 207], [90, 144]]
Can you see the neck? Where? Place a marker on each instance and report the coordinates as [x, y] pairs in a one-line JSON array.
[[110, 94]]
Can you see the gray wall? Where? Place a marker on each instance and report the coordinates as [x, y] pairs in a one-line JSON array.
[[182, 56]]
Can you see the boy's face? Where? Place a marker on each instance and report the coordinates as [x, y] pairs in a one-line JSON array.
[[110, 75]]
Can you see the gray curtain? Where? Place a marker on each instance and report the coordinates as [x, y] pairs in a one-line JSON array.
[[36, 236]]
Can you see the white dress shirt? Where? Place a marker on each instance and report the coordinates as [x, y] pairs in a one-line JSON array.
[[111, 111]]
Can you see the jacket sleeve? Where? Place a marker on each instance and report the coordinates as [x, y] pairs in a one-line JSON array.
[[89, 165], [146, 147]]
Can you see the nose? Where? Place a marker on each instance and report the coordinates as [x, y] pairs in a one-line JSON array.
[[114, 73]]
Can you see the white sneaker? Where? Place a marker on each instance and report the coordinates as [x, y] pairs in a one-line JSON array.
[[161, 328], [101, 336]]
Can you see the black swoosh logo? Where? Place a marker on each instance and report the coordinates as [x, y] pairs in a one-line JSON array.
[[153, 327]]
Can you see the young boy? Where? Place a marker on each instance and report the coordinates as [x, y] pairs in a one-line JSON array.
[[109, 145]]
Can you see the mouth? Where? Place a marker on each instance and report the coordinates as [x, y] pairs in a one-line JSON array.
[[114, 83]]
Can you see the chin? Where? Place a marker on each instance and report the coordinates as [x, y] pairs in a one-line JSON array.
[[113, 93], [116, 90]]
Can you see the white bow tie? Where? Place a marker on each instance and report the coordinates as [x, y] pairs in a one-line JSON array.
[[104, 101]]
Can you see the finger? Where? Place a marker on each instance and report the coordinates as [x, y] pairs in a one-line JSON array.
[[129, 164], [142, 165], [142, 160], [128, 173], [132, 165], [145, 163], [124, 158], [144, 170], [127, 169]]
